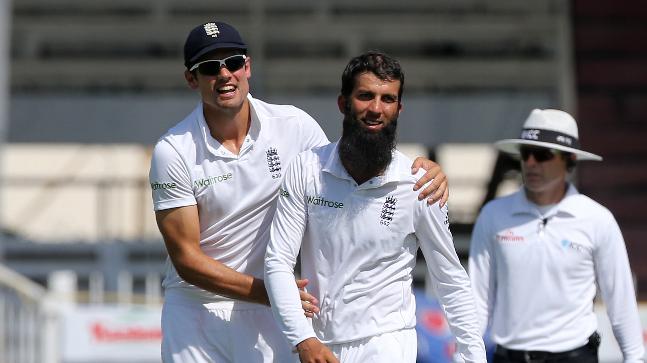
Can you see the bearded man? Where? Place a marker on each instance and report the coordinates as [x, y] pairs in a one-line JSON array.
[[349, 209]]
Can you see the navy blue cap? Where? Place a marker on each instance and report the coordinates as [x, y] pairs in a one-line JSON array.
[[210, 36]]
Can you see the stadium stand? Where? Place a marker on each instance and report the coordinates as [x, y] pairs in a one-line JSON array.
[[124, 45]]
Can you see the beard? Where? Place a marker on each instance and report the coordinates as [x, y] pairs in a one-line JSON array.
[[363, 152]]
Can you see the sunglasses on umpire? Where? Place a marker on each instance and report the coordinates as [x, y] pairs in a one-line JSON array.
[[211, 67], [539, 153]]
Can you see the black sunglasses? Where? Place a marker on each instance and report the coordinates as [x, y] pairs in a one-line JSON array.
[[539, 153], [211, 67]]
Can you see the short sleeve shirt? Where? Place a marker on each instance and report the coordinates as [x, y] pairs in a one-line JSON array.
[[235, 194]]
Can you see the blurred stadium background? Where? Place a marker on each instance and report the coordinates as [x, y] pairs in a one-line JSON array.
[[86, 87]]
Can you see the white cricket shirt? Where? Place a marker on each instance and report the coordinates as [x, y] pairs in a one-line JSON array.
[[235, 194], [534, 282], [358, 248]]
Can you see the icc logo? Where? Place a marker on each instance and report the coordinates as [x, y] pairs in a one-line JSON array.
[[530, 134]]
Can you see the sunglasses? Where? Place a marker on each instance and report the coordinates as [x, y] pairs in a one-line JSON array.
[[212, 67], [539, 153]]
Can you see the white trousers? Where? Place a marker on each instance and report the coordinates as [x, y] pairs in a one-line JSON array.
[[225, 332], [399, 346]]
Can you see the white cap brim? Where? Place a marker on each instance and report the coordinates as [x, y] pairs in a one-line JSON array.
[[511, 146]]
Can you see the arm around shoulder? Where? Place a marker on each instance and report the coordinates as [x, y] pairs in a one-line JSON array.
[[434, 180]]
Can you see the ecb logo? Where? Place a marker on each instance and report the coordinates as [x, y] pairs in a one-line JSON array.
[[388, 210], [530, 134], [212, 30], [273, 162]]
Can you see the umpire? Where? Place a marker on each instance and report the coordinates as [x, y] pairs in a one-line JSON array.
[[536, 256]]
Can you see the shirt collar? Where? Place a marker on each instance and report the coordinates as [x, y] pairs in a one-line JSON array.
[[213, 145], [333, 165], [522, 205], [255, 127]]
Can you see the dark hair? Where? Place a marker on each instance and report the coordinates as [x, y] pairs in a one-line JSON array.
[[382, 65]]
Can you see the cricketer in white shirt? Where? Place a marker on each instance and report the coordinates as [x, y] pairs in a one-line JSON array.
[[358, 248], [235, 194], [534, 274], [236, 198]]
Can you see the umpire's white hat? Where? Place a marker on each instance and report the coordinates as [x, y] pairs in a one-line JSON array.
[[553, 129]]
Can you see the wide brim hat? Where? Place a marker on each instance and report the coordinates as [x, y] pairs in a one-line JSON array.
[[553, 129]]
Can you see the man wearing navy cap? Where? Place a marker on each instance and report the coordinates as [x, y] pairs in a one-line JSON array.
[[536, 256], [215, 178]]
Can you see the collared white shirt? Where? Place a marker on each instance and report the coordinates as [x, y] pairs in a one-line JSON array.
[[358, 247], [235, 194], [534, 276]]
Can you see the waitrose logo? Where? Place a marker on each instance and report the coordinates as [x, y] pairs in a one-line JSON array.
[[205, 182], [320, 201], [158, 185]]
